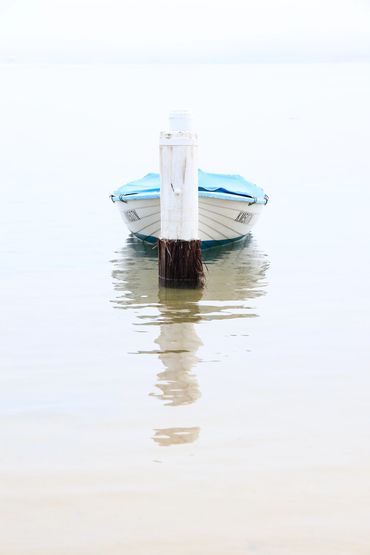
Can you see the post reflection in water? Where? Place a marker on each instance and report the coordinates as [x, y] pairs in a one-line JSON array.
[[175, 436], [178, 344], [235, 275]]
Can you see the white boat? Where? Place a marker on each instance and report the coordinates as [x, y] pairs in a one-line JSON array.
[[229, 206]]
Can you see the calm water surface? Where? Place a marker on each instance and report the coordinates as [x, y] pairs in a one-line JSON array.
[[135, 419]]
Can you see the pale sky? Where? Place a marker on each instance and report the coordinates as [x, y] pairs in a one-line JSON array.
[[125, 31]]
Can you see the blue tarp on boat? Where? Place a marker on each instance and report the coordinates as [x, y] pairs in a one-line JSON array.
[[211, 182]]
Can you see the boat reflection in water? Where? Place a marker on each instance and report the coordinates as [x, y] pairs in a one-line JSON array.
[[236, 273]]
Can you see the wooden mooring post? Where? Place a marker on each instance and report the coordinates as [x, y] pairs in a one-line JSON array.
[[179, 248]]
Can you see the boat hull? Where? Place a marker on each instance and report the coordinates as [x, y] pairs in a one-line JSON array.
[[221, 220]]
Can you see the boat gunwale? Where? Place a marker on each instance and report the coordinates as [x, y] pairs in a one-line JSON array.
[[202, 194]]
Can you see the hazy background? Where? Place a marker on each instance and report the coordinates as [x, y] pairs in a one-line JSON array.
[[113, 31]]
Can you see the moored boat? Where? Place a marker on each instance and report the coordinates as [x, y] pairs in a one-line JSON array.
[[229, 206]]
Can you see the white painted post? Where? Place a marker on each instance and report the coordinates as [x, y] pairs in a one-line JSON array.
[[179, 246], [179, 179]]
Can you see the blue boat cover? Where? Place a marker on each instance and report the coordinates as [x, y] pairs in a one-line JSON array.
[[212, 182]]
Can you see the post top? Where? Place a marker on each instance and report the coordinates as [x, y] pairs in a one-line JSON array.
[[180, 120]]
